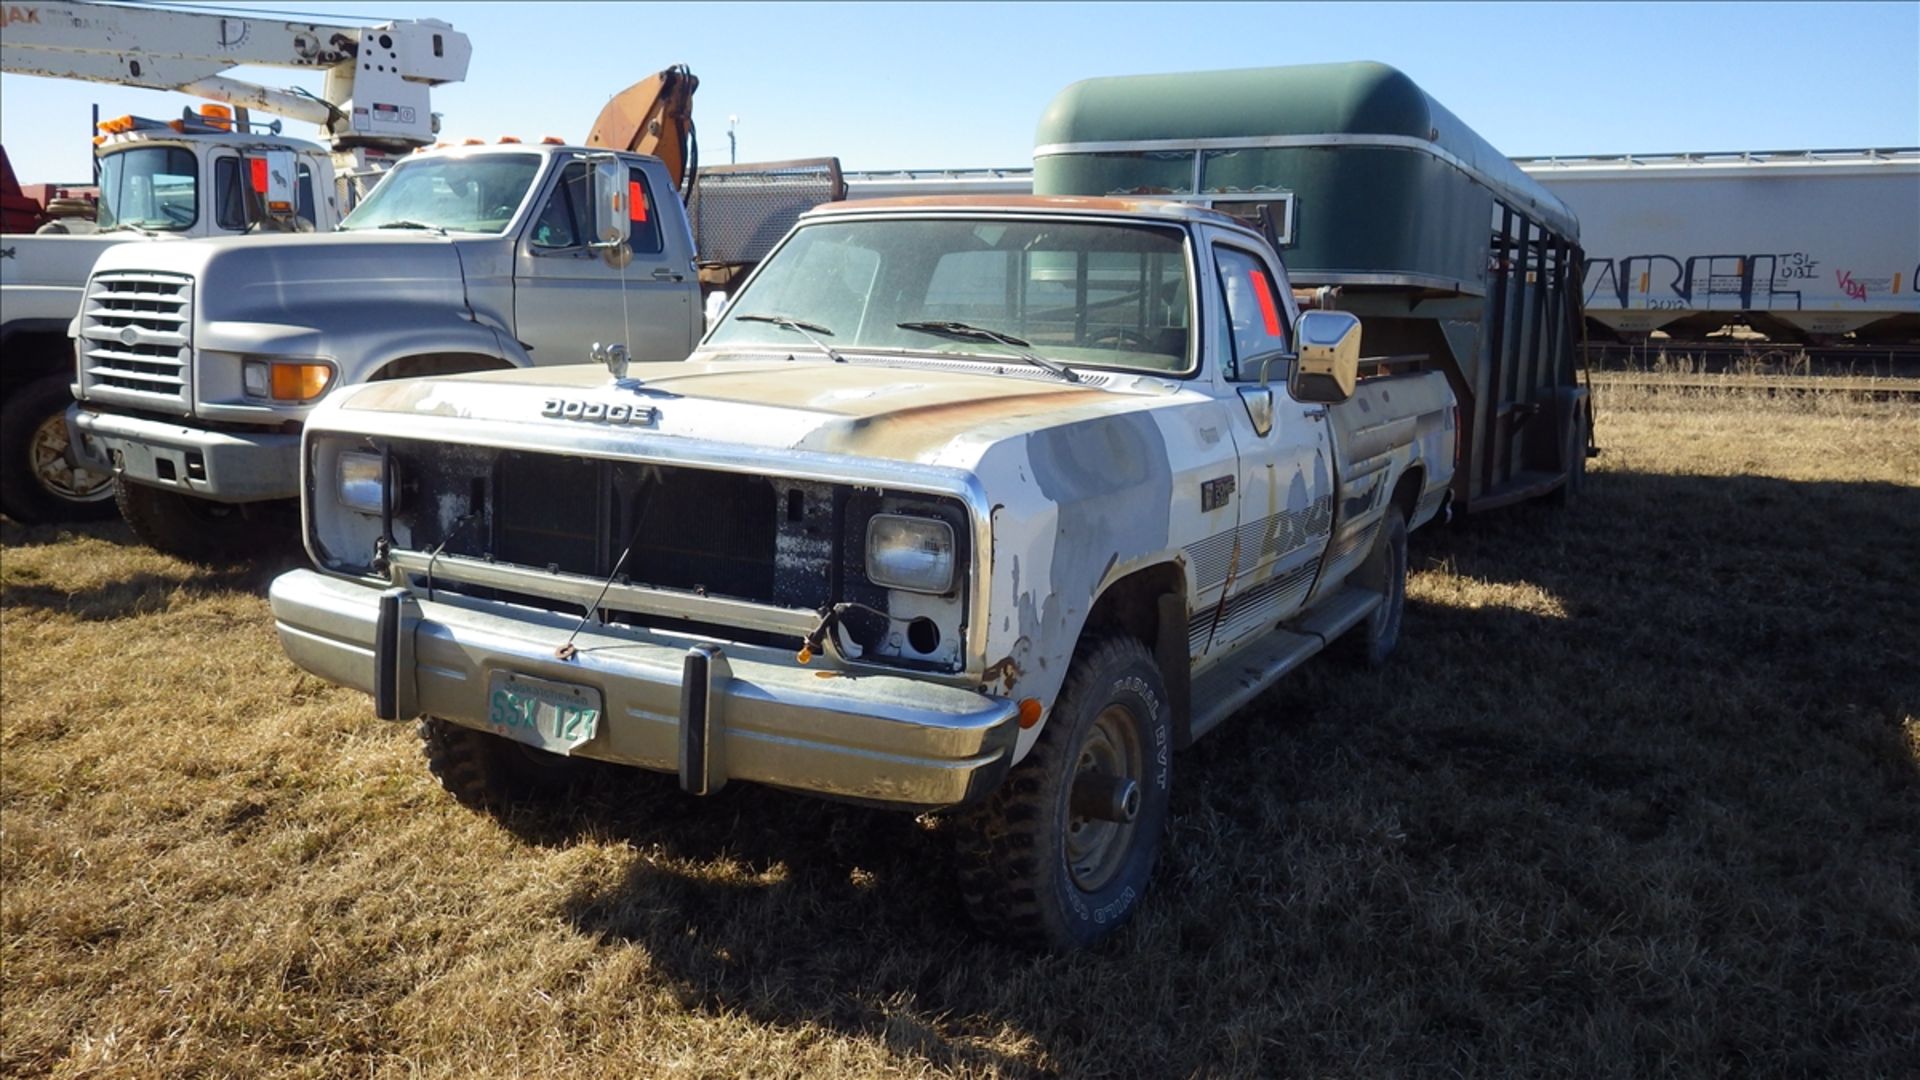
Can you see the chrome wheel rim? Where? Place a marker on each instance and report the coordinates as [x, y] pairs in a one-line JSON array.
[[47, 457], [1096, 850]]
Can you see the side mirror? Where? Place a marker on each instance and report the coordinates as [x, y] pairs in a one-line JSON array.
[[716, 303], [612, 205], [1329, 357], [271, 173]]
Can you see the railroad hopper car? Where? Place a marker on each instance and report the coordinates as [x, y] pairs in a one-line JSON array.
[[1452, 257], [1812, 247]]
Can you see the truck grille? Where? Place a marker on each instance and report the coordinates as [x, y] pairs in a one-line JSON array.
[[787, 543], [136, 340]]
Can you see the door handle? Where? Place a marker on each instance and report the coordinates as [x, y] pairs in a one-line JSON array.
[[664, 273]]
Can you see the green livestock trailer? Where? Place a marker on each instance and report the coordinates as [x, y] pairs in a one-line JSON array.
[[1383, 204]]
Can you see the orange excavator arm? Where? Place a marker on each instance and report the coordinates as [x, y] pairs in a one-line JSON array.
[[654, 116]]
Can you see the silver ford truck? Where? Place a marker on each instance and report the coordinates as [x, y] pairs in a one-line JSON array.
[[198, 361], [984, 505]]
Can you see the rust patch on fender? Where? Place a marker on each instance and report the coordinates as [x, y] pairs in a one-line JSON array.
[[1007, 672]]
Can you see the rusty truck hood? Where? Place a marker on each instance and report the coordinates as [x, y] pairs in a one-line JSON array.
[[893, 411]]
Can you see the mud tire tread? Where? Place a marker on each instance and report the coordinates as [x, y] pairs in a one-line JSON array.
[[1001, 842]]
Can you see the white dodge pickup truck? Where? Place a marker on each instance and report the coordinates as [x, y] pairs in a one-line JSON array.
[[988, 505]]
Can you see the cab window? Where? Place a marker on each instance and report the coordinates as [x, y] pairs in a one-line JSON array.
[[1256, 329], [229, 195], [566, 220]]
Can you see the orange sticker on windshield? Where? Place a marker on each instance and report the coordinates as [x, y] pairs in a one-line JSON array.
[[637, 200]]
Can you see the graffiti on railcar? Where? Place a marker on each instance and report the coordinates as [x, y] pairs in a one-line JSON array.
[[1754, 282]]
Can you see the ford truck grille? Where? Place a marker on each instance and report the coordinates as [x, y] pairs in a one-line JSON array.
[[136, 340]]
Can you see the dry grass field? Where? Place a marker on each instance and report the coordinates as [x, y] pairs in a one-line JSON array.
[[1640, 796]]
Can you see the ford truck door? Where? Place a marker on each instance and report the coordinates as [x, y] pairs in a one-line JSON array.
[[568, 296]]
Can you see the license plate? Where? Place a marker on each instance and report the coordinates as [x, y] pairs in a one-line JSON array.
[[554, 716]]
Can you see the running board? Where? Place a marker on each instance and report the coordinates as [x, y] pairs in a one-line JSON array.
[[1228, 686]]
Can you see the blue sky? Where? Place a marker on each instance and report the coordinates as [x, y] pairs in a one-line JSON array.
[[886, 85]]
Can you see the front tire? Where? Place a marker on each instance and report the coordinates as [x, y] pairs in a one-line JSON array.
[[1036, 866], [37, 484], [197, 530], [483, 771]]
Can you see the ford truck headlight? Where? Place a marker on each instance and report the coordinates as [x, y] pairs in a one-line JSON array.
[[911, 553], [362, 481], [297, 381]]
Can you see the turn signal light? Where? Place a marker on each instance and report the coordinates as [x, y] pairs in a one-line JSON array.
[[300, 382], [1030, 710]]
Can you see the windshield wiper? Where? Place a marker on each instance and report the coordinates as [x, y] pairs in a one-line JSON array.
[[804, 329], [404, 223], [970, 332]]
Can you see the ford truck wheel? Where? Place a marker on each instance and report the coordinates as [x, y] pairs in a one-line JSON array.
[[1384, 572], [36, 482], [1060, 855], [486, 772], [197, 530]]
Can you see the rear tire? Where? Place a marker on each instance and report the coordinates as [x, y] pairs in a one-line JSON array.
[[1385, 572], [197, 530], [1031, 869], [1569, 492], [486, 772], [36, 482]]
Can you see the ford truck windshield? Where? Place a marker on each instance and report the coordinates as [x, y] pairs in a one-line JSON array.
[[149, 188], [478, 194], [1082, 293]]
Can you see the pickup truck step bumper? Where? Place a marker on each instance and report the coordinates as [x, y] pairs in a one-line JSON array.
[[218, 465], [707, 711]]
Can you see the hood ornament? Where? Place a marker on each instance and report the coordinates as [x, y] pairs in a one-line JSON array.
[[615, 358]]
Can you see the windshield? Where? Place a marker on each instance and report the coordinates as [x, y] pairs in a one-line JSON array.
[[458, 194], [149, 188], [1099, 295]]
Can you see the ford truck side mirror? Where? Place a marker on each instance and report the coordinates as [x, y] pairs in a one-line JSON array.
[[1328, 361], [270, 176], [612, 205]]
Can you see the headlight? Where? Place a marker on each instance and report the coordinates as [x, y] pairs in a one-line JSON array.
[[297, 381], [911, 553], [362, 483]]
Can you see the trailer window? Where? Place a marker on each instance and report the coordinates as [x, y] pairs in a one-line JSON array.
[[149, 188]]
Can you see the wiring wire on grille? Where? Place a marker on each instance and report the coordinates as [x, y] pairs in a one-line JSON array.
[[566, 650], [816, 639]]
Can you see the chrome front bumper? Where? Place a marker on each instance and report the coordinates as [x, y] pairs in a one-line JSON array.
[[218, 465], [709, 712]]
